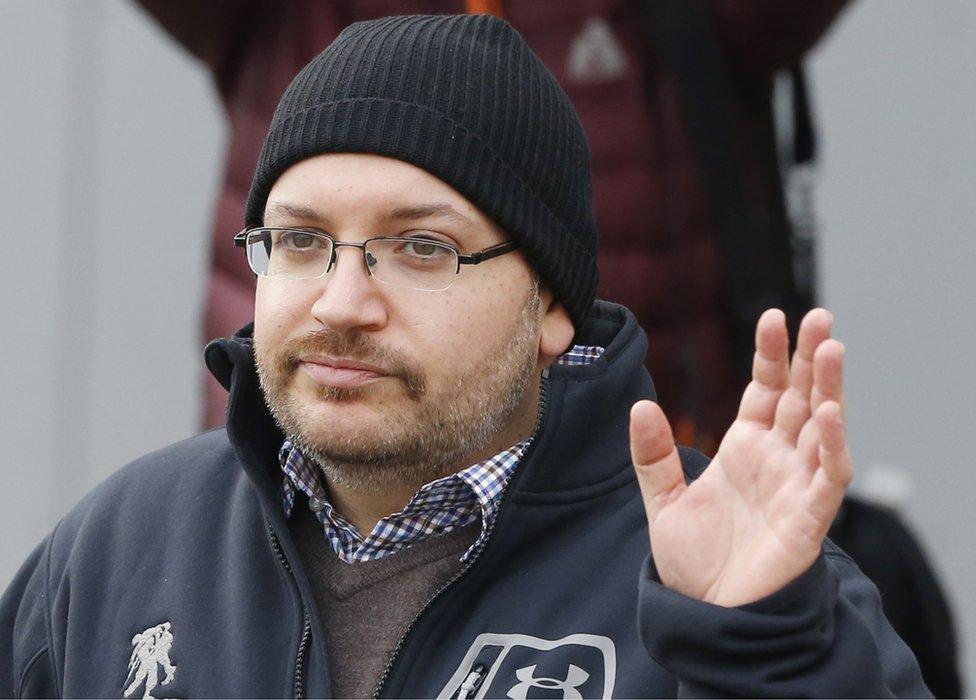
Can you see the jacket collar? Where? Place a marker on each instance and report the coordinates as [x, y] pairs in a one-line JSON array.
[[582, 438]]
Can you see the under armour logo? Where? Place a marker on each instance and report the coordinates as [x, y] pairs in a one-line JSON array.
[[575, 677], [496, 660], [595, 54], [150, 650]]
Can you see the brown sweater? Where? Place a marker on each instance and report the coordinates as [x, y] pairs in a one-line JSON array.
[[366, 607]]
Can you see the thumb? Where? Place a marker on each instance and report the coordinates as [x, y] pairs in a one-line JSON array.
[[655, 457]]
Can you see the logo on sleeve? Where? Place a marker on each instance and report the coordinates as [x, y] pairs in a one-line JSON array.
[[150, 652], [519, 666]]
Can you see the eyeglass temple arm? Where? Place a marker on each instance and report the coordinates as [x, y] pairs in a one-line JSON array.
[[488, 253]]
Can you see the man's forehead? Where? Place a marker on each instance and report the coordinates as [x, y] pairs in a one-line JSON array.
[[378, 187]]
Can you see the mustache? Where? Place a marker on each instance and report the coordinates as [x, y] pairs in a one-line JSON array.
[[354, 346]]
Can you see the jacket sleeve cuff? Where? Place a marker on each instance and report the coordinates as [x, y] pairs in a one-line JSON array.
[[795, 642]]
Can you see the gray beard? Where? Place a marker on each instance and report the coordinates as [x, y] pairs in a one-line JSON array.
[[428, 442]]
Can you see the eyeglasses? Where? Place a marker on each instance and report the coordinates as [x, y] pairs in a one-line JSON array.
[[411, 263]]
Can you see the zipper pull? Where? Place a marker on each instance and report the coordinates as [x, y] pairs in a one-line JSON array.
[[472, 682]]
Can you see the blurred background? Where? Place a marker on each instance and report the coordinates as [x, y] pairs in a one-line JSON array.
[[113, 141]]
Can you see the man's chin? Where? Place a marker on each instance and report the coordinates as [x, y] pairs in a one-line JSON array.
[[341, 438]]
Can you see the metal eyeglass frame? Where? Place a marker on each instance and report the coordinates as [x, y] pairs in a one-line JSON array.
[[475, 258]]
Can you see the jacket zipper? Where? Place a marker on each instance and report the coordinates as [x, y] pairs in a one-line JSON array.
[[470, 685], [543, 405], [306, 623]]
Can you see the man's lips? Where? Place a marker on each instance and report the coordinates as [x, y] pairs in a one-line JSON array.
[[341, 373]]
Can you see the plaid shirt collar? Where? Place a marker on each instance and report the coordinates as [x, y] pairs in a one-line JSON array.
[[437, 508]]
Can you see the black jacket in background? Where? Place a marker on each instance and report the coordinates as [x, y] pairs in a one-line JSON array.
[[885, 550]]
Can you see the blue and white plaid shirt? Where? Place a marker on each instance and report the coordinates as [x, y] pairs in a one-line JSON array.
[[439, 507]]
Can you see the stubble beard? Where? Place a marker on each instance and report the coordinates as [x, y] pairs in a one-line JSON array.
[[414, 443]]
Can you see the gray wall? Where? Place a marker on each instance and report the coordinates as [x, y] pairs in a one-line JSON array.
[[112, 141], [897, 103]]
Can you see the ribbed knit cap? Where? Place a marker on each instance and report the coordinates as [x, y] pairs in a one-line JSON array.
[[466, 99]]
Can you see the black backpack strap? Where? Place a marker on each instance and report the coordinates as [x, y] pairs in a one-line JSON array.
[[804, 134]]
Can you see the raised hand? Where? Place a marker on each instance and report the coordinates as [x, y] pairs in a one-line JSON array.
[[755, 519]]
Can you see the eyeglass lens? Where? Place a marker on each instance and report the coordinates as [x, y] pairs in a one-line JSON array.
[[412, 263]]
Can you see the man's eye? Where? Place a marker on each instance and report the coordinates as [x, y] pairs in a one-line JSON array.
[[298, 241], [424, 249], [424, 246]]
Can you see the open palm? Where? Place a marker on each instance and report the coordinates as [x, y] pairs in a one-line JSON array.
[[755, 519]]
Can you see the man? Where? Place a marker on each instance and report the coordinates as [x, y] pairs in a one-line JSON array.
[[426, 486], [671, 200]]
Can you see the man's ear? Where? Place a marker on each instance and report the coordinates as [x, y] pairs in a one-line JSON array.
[[556, 329]]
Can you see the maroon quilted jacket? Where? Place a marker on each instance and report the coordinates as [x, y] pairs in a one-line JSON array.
[[659, 250]]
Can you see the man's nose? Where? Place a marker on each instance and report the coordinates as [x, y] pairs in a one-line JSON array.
[[351, 298]]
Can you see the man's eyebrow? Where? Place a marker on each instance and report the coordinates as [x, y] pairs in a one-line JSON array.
[[297, 211], [422, 211], [404, 213]]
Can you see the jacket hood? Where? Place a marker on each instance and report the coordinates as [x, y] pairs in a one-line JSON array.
[[584, 420]]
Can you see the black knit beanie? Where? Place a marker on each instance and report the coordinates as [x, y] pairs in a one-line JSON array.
[[466, 99]]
